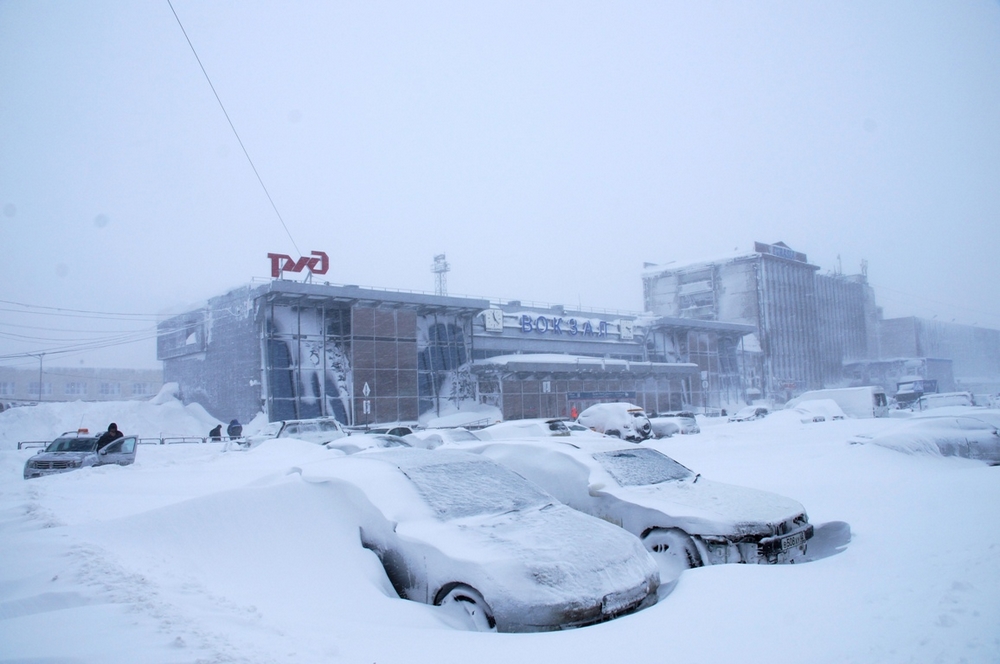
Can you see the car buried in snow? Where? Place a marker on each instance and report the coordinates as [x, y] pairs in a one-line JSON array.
[[969, 437], [526, 428], [685, 421], [683, 519], [320, 430], [749, 413], [78, 449], [456, 530], [618, 420]]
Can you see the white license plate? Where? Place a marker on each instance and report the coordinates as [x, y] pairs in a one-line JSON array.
[[793, 541]]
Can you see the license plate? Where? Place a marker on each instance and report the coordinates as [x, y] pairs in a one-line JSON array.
[[615, 602], [793, 541]]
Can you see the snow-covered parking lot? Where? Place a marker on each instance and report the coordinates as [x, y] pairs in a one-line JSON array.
[[195, 554]]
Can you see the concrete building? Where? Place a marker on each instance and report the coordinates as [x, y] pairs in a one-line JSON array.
[[974, 351], [806, 324]]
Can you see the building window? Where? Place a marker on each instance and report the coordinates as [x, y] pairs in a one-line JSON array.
[[141, 389], [111, 389], [75, 389], [6, 388], [33, 389]]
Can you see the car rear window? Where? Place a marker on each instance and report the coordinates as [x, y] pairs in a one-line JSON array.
[[641, 466]]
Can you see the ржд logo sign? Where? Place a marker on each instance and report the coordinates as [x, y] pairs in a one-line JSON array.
[[318, 263]]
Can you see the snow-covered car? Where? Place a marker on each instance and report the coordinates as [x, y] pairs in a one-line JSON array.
[[816, 410], [366, 441], [393, 429], [528, 428], [748, 413], [320, 430], [664, 427], [433, 438], [685, 420], [961, 436], [682, 518], [74, 450], [619, 420], [457, 530]]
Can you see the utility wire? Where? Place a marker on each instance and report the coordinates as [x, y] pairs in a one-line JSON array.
[[80, 311], [233, 127]]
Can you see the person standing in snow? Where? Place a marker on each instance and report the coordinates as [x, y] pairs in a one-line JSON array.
[[235, 429], [109, 436], [216, 433]]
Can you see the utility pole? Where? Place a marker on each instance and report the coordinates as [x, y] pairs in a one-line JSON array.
[[39, 356]]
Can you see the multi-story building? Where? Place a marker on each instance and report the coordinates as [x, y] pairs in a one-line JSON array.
[[806, 324]]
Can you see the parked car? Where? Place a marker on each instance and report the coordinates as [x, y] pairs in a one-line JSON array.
[[457, 530], [685, 520], [748, 413], [619, 420], [961, 436], [78, 449], [394, 429], [366, 441], [433, 438], [320, 430], [815, 410], [528, 428], [685, 420]]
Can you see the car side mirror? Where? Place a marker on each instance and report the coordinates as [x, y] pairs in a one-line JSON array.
[[103, 451]]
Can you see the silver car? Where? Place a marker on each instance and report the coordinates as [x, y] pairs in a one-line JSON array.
[[459, 531], [684, 519], [320, 430], [74, 450]]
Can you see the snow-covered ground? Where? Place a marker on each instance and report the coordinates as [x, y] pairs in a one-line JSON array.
[[195, 554]]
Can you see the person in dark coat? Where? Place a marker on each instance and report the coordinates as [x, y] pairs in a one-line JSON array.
[[216, 433], [109, 436], [235, 429]]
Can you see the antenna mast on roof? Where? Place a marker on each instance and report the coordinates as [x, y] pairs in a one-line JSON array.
[[440, 270]]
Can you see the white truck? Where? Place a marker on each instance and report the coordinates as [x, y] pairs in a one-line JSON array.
[[867, 401]]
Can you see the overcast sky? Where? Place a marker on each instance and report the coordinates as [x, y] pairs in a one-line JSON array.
[[549, 149]]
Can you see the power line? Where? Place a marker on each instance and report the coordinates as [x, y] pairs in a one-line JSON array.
[[233, 127], [79, 311]]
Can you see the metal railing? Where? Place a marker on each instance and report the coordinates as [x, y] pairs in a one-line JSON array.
[[33, 443], [162, 440], [181, 440]]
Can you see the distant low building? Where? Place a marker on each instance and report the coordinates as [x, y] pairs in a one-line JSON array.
[[974, 351], [20, 385]]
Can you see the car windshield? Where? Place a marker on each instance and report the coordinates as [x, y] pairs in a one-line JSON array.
[[72, 445], [641, 466], [471, 488]]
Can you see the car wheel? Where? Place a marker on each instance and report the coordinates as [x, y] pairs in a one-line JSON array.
[[467, 607], [673, 550]]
